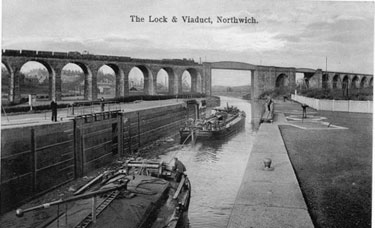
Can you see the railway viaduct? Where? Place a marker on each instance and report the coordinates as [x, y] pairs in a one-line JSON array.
[[265, 78], [54, 62], [262, 77]]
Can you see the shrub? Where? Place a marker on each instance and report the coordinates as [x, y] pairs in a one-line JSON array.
[[338, 94], [277, 92]]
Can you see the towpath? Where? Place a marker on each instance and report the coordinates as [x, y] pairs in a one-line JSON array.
[[269, 197], [65, 114], [332, 156]]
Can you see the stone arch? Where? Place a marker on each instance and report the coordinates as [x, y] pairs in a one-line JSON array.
[[355, 82], [7, 67], [363, 82], [162, 82], [111, 81], [26, 82], [146, 84], [335, 81], [299, 79], [302, 78], [72, 82], [371, 82], [165, 80], [282, 81], [136, 80], [192, 82], [186, 80]]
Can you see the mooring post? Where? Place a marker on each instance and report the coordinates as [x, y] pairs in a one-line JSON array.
[[267, 164], [192, 132]]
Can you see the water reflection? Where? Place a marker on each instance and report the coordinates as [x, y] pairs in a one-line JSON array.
[[215, 169]]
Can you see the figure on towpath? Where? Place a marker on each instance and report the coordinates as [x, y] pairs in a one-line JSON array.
[[179, 168], [54, 110], [304, 107], [102, 104], [269, 104]]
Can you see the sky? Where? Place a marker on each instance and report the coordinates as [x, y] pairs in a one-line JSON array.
[[230, 77], [288, 33]]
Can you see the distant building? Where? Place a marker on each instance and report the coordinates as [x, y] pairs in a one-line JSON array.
[[106, 87]]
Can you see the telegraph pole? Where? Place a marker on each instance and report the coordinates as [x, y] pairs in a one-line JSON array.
[[326, 65]]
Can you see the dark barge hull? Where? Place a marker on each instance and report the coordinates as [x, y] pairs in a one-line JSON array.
[[150, 197], [231, 128]]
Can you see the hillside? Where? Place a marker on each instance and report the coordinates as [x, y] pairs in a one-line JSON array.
[[219, 88]]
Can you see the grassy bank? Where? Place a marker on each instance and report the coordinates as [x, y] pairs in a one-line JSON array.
[[334, 169]]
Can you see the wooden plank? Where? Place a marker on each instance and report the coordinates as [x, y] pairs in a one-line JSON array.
[[79, 191], [179, 187], [145, 165], [55, 144]]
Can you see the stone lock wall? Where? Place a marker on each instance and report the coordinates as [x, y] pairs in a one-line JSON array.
[[36, 159], [96, 140], [143, 127]]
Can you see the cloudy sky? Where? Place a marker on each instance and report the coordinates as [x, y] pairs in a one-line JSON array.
[[288, 33]]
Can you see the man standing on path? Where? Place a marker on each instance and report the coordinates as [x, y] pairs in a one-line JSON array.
[[179, 168], [54, 110], [269, 104], [304, 106], [102, 104]]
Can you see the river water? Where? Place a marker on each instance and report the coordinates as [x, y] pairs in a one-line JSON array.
[[215, 169]]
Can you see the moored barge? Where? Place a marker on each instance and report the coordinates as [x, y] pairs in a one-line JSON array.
[[223, 122], [139, 194]]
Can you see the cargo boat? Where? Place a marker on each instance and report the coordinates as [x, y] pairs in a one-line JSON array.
[[223, 122], [139, 194]]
